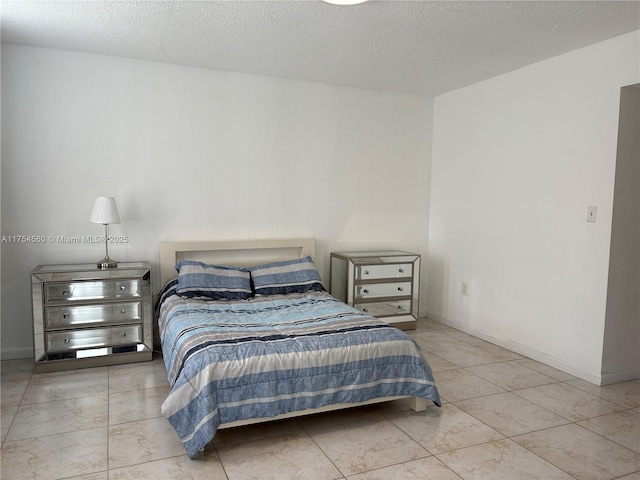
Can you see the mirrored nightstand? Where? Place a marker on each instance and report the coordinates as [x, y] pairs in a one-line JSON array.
[[85, 317]]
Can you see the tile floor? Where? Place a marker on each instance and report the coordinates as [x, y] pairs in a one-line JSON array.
[[504, 417]]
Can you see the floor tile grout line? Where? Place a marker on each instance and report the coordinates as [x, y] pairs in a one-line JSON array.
[[31, 376], [429, 454], [576, 423], [109, 469], [90, 473], [450, 467], [603, 398], [570, 422], [481, 443], [511, 436], [478, 364], [555, 380], [566, 383], [4, 440], [300, 426], [544, 459], [513, 439], [224, 469], [344, 475]]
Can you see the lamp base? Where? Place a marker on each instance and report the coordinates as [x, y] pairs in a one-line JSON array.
[[107, 263]]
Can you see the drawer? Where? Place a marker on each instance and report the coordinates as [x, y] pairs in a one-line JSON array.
[[63, 341], [374, 272], [73, 315], [105, 289], [381, 309], [394, 289]]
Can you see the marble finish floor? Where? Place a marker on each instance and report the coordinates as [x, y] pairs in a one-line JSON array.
[[504, 417]]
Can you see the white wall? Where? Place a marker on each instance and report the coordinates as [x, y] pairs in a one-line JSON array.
[[197, 154], [516, 161], [621, 354]]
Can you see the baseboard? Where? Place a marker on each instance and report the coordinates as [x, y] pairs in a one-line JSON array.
[[16, 353], [617, 377], [524, 350]]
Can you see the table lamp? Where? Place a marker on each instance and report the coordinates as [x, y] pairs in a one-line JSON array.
[[105, 212]]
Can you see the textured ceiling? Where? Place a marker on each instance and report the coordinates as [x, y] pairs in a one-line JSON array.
[[425, 47]]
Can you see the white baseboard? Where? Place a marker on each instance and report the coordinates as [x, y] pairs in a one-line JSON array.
[[16, 353], [617, 377], [527, 351]]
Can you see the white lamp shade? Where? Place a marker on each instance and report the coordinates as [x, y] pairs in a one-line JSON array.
[[104, 211]]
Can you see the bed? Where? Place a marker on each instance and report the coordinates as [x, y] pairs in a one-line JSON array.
[[249, 334]]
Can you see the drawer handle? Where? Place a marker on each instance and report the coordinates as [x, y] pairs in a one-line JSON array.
[[124, 334], [365, 272], [122, 287], [365, 310], [67, 340], [123, 311], [401, 270], [65, 292], [65, 315], [365, 290], [401, 289]]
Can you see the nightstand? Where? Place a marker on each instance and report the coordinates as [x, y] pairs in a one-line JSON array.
[[384, 284], [86, 317]]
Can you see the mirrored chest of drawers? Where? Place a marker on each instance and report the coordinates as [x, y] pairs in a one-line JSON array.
[[85, 317], [384, 284]]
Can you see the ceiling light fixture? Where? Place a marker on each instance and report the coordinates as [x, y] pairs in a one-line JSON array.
[[344, 3]]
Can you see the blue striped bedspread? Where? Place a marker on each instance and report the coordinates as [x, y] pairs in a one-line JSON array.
[[230, 360]]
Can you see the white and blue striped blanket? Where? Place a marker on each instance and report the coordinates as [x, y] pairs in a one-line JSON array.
[[230, 360]]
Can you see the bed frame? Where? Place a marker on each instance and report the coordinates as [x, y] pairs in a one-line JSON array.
[[246, 253]]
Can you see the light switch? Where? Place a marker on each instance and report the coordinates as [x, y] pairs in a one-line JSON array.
[[591, 214]]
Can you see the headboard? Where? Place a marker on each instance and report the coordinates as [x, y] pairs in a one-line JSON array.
[[243, 253]]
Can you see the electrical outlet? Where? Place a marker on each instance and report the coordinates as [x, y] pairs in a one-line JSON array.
[[465, 288]]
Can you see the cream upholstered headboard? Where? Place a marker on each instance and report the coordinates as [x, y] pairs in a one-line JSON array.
[[242, 253]]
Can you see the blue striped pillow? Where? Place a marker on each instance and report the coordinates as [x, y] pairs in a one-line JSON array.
[[290, 276], [197, 279]]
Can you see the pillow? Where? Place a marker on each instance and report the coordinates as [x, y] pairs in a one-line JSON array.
[[290, 276], [197, 279]]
